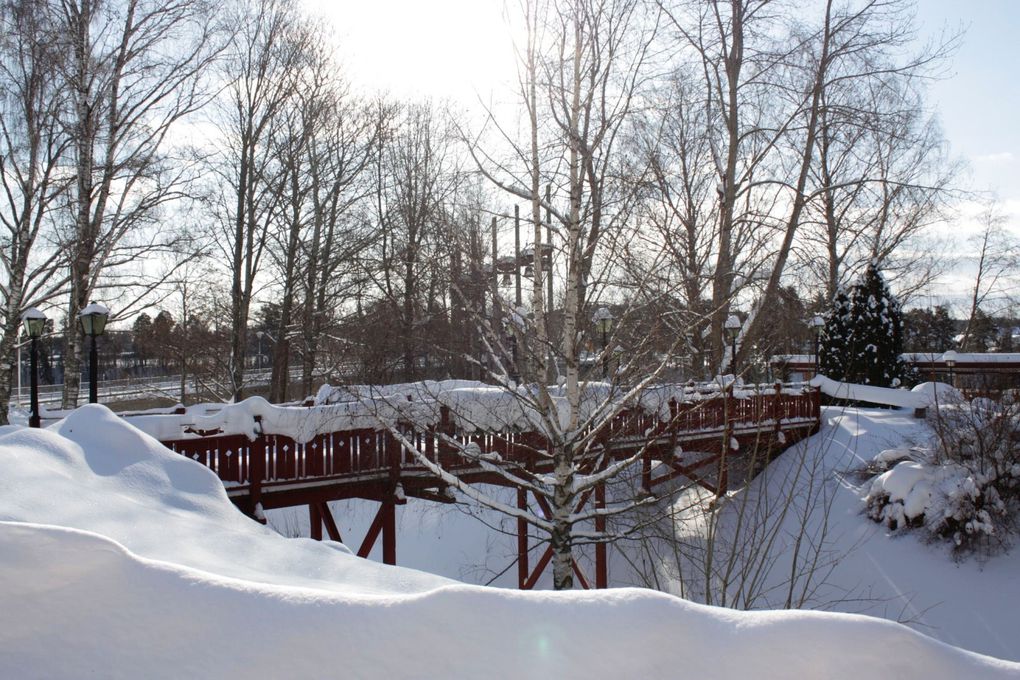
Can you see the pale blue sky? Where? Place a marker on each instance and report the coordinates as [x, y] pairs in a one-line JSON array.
[[979, 101]]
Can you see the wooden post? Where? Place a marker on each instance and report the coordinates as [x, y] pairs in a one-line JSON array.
[[522, 540], [601, 549], [315, 520], [777, 408], [257, 472], [389, 531]]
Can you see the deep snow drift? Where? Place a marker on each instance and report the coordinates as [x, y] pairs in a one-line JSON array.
[[120, 559]]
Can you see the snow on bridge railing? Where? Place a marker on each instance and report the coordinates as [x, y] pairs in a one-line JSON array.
[[473, 407], [254, 444]]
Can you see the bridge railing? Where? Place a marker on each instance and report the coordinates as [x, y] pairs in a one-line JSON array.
[[357, 453]]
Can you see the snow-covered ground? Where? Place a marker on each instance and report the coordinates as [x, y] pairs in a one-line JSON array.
[[899, 576], [120, 559]]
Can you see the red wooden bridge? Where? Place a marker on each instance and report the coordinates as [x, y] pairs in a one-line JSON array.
[[708, 441]]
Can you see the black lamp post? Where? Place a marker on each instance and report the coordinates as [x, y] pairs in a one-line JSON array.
[[35, 322], [817, 323], [604, 323], [93, 323], [732, 327]]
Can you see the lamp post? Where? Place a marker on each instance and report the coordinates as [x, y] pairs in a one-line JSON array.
[[817, 323], [604, 323], [950, 359], [260, 335], [93, 323], [732, 327], [35, 322]]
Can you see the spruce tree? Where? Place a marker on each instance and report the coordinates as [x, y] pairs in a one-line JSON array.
[[863, 335], [835, 338], [878, 332]]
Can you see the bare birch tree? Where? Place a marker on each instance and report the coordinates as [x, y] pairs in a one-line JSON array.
[[134, 70], [583, 70], [997, 268], [261, 69], [32, 150]]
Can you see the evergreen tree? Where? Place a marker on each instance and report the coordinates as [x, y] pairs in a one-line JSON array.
[[983, 333], [877, 331], [836, 337], [863, 335], [928, 330]]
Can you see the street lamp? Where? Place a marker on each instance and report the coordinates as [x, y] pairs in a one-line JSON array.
[[732, 327], [35, 322], [816, 324], [93, 323], [604, 323], [950, 359]]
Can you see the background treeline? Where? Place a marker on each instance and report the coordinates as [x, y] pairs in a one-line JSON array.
[[681, 161]]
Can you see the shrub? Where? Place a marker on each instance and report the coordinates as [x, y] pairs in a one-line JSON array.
[[966, 488]]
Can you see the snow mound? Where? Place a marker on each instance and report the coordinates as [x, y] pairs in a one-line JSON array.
[[86, 605], [119, 558], [94, 472], [938, 393]]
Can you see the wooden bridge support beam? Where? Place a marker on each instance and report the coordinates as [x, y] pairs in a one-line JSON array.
[[315, 521], [385, 523], [319, 514]]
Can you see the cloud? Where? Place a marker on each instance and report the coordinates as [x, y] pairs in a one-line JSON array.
[[997, 158]]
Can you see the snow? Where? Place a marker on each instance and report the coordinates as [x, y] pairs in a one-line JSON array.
[[121, 559], [969, 603], [870, 393], [95, 308], [909, 483], [93, 472], [938, 393], [473, 406]]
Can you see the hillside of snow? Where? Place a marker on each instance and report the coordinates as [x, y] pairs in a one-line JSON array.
[[866, 568], [119, 558]]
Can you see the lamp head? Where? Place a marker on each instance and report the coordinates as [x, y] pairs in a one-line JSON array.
[[35, 322], [732, 325], [603, 319], [93, 319]]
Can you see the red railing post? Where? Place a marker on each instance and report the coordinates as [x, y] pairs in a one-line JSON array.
[[777, 407], [257, 472]]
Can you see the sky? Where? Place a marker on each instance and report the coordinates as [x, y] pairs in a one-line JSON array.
[[460, 50]]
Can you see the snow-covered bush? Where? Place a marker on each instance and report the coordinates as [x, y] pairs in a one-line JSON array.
[[967, 488]]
